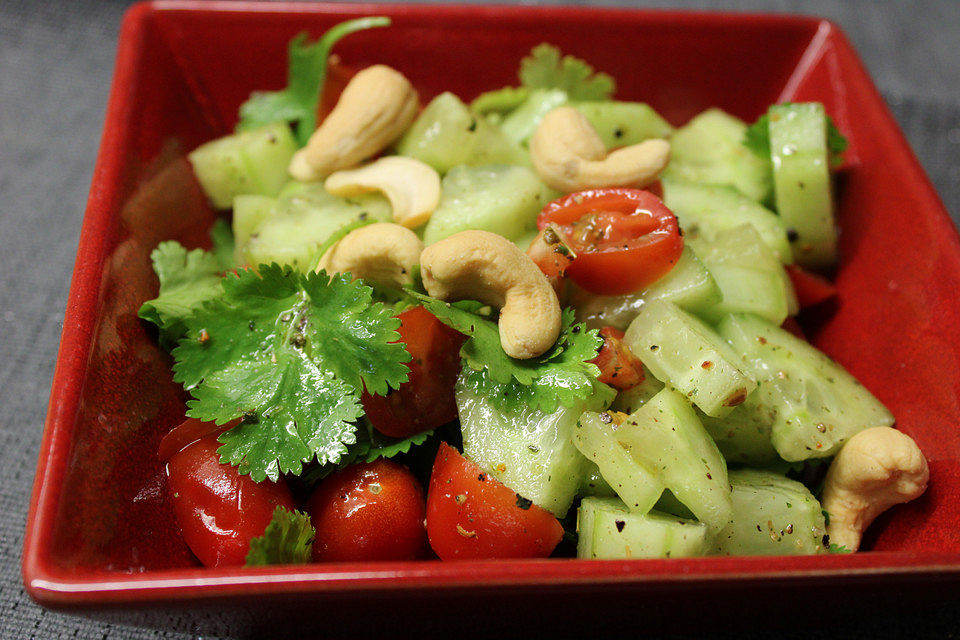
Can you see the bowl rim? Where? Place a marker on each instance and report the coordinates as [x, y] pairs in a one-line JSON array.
[[54, 587]]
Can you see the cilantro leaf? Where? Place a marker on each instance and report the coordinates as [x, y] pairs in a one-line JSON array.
[[838, 548], [382, 446], [500, 100], [288, 539], [221, 235], [545, 69], [291, 354], [306, 73], [187, 280], [757, 139], [560, 376]]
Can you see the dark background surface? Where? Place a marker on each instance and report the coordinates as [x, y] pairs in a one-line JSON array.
[[56, 61]]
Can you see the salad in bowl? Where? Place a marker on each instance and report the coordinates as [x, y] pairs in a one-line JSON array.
[[545, 322]]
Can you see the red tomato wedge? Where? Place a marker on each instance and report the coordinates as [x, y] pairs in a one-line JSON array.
[[426, 400], [472, 516], [625, 239], [188, 432], [369, 512], [811, 289], [219, 510], [619, 368]]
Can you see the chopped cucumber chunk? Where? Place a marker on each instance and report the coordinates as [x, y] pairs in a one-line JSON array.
[[688, 285], [748, 273], [447, 134], [637, 486], [252, 162], [629, 400], [530, 451], [497, 198], [620, 124], [608, 530], [709, 149], [815, 404], [772, 515], [304, 217], [704, 211], [687, 354], [665, 436], [801, 180], [520, 123]]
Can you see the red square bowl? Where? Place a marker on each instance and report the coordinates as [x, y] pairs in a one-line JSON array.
[[101, 533]]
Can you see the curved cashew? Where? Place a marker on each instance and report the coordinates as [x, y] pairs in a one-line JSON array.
[[479, 265], [375, 107], [384, 253], [412, 187], [569, 156], [876, 469]]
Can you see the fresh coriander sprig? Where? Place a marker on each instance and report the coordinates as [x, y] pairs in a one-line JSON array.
[[288, 539]]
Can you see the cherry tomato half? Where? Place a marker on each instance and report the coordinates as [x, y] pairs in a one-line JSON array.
[[470, 515], [426, 400], [619, 368], [625, 239], [219, 510], [811, 288], [368, 512]]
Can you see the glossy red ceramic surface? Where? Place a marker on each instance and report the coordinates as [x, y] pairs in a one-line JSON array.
[[101, 529]]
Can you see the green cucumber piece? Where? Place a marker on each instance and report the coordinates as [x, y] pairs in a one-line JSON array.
[[801, 180], [620, 124], [249, 212], [665, 436], [772, 515], [688, 285], [593, 483], [748, 273], [704, 211], [595, 436], [815, 404], [629, 400], [743, 435], [609, 531], [709, 149], [498, 198], [447, 134], [530, 451], [304, 217], [687, 354], [251, 162], [519, 124]]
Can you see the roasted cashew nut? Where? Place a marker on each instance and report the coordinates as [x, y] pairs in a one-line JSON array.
[[412, 187], [569, 155], [375, 108], [383, 253], [479, 265], [876, 469]]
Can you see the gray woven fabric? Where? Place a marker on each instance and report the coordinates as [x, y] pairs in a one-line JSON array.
[[55, 66]]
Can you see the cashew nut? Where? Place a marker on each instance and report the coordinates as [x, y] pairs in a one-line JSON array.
[[412, 187], [479, 265], [383, 253], [569, 156], [876, 469], [374, 109]]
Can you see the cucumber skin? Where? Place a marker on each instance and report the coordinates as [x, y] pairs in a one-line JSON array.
[[666, 436], [772, 515], [248, 163], [447, 134], [609, 531], [801, 178], [788, 370], [682, 351]]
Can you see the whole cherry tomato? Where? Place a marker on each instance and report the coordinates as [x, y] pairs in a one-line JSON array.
[[219, 510], [619, 368], [188, 432], [368, 512], [470, 515], [624, 239], [426, 400]]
